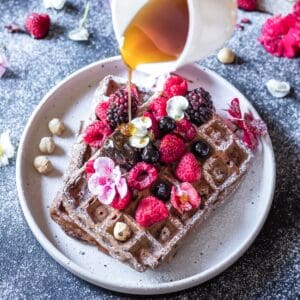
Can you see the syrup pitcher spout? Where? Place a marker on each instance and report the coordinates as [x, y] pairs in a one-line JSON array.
[[159, 36]]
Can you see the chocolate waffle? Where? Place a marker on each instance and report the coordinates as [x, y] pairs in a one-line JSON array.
[[82, 215]]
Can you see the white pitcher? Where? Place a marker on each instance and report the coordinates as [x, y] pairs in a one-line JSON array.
[[211, 23]]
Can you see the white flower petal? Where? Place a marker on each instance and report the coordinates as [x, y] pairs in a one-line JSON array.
[[140, 132], [116, 174], [139, 142], [57, 4], [176, 107], [142, 122], [122, 187], [79, 34], [278, 89]]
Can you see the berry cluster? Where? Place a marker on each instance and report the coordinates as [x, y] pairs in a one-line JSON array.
[[171, 142]]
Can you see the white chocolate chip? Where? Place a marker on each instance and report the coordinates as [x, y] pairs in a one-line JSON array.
[[278, 89], [226, 56], [122, 231], [176, 107], [56, 126], [42, 164], [47, 145]]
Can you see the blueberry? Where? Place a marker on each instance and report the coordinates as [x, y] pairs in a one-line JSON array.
[[166, 125], [200, 149], [162, 191], [150, 154]]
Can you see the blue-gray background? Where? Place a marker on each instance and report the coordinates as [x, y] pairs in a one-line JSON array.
[[270, 269]]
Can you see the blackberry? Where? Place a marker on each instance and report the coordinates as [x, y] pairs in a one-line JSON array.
[[162, 191], [166, 125], [117, 112], [200, 108]]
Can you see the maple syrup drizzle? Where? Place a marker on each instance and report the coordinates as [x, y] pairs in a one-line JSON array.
[[157, 33]]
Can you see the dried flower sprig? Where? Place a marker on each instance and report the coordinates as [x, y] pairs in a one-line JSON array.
[[81, 33], [252, 128]]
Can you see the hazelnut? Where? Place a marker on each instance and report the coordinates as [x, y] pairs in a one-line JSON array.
[[122, 231], [56, 126], [42, 164], [226, 56], [47, 145]]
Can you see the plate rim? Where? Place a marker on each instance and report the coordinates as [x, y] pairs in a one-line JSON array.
[[162, 288]]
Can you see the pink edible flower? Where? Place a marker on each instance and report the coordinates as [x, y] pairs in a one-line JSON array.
[[252, 128], [107, 182], [281, 34], [4, 64], [184, 197]]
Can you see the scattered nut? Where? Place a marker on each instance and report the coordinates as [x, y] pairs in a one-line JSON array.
[[47, 145], [42, 164], [122, 231], [56, 126], [226, 56]]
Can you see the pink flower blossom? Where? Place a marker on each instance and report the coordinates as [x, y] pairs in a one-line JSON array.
[[107, 182], [4, 64], [184, 197], [252, 128]]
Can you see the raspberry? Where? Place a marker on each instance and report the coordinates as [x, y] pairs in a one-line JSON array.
[[96, 133], [171, 148], [185, 197], [120, 204], [101, 110], [188, 168], [141, 176], [158, 107], [89, 167], [200, 108], [117, 112], [150, 211], [247, 4], [185, 129], [37, 25], [175, 86], [154, 126]]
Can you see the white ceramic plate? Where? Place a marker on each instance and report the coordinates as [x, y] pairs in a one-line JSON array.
[[219, 242]]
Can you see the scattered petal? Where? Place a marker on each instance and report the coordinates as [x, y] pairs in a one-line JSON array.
[[57, 4], [79, 34], [14, 28], [7, 150], [278, 89]]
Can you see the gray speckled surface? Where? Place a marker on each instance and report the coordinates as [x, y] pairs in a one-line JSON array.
[[268, 270]]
